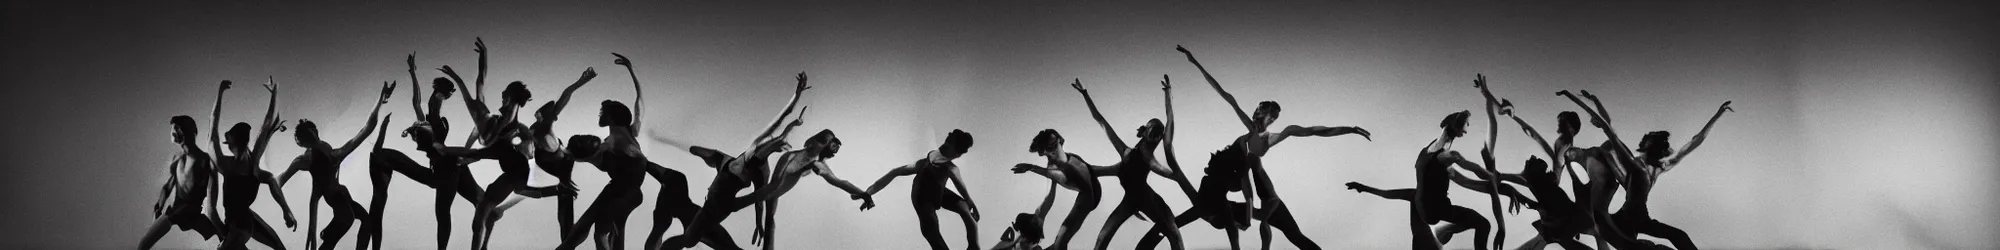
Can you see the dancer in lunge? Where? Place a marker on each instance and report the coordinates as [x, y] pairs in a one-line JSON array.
[[324, 161], [928, 193]]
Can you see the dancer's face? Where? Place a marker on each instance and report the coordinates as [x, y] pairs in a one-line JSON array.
[[1264, 118]]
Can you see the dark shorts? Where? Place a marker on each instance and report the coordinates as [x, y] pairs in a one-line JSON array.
[[942, 200], [188, 217]]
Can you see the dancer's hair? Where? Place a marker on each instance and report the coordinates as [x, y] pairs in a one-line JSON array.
[[821, 140], [1567, 123], [306, 130], [516, 94], [185, 125], [1267, 108], [1030, 228], [1655, 146], [613, 113], [956, 143], [1153, 129], [442, 85], [1455, 123], [237, 135], [583, 146], [1045, 141]]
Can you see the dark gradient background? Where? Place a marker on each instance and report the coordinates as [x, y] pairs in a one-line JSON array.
[[1859, 126]]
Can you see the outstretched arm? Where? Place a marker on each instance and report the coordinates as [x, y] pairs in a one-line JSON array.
[[1173, 162], [272, 122], [215, 122], [298, 163], [1053, 175], [388, 88], [775, 121], [1532, 134], [890, 177], [473, 106], [1108, 131], [1601, 111], [416, 89], [1317, 131], [1226, 97], [1698, 137], [479, 84], [639, 96], [1598, 119], [563, 101], [827, 174], [1486, 186]]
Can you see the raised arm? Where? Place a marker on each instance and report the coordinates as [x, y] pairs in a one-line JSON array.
[[563, 101], [775, 121], [1092, 104], [1601, 111], [1173, 162], [890, 177], [479, 84], [1698, 137], [215, 122], [473, 106], [416, 89], [1226, 97], [272, 122], [1532, 134], [388, 88], [1492, 138], [1598, 120]]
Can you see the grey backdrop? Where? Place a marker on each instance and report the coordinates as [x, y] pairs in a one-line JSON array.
[[1860, 126]]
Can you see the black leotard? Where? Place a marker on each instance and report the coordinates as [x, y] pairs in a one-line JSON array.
[[1433, 177], [927, 189], [1132, 174]]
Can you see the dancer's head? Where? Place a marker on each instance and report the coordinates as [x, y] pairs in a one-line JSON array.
[[237, 137], [956, 144], [1567, 124], [613, 113], [1266, 114], [514, 97], [547, 111], [184, 129], [583, 146], [1047, 143], [1454, 124], [824, 142], [306, 133], [1654, 147], [1152, 132], [442, 88], [1536, 169], [1030, 228]]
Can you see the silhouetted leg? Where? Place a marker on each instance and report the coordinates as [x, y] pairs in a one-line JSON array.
[[1158, 210], [1464, 217], [1656, 229], [262, 232], [1152, 238], [446, 188], [928, 225], [1085, 202], [344, 215], [1119, 213], [958, 205], [1281, 217], [576, 233], [164, 223]]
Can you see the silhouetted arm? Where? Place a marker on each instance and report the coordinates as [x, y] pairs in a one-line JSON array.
[[1316, 131], [890, 177], [1532, 134], [368, 128], [1051, 173], [1698, 137], [1173, 162], [1598, 120], [1108, 131], [1226, 97], [474, 107], [827, 174], [775, 121], [416, 89], [1486, 186], [272, 122], [298, 163], [479, 84], [1492, 138], [215, 122], [563, 101], [1047, 201], [959, 182], [278, 194], [1601, 111], [173, 179]]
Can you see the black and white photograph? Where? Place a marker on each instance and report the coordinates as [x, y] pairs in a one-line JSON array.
[[1000, 125]]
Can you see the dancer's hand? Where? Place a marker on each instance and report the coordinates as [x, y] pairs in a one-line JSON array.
[[1364, 133], [588, 73], [1586, 94], [1183, 50], [621, 60], [291, 222], [800, 120], [1565, 93], [411, 61], [156, 210], [1166, 83], [1077, 83], [479, 45], [867, 203], [1359, 188], [271, 85], [1514, 206], [1506, 107], [225, 85], [1479, 81], [802, 84], [1024, 167], [1725, 106], [388, 88]]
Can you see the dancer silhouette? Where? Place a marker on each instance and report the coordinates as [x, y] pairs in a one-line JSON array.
[[186, 211], [549, 154], [324, 161], [1429, 203], [1642, 169], [791, 166], [928, 193], [1071, 172], [1134, 164], [733, 173], [620, 157], [1026, 232], [241, 176]]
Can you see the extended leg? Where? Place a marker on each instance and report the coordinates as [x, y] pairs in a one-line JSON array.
[[1117, 218]]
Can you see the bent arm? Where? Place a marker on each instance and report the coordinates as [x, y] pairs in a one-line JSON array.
[[1099, 116], [366, 129], [563, 101], [1611, 134], [473, 105], [298, 163], [215, 123], [416, 91], [277, 194], [780, 120], [959, 182]]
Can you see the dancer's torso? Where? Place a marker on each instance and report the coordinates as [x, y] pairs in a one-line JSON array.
[[928, 185]]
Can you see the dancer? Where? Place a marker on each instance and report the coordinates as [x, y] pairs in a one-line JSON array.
[[1643, 167], [241, 176], [549, 154], [1069, 171], [186, 211], [324, 161], [733, 173], [1430, 205], [622, 159], [1026, 232], [1253, 145], [928, 193], [790, 167], [1131, 170]]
